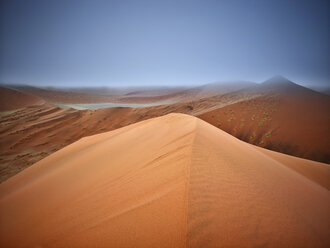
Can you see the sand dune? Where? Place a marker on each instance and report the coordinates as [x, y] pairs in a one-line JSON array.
[[286, 118], [313, 170], [133, 95], [172, 181], [12, 99], [54, 95], [32, 133]]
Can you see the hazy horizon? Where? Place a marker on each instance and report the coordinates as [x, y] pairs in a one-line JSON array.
[[141, 86], [163, 43]]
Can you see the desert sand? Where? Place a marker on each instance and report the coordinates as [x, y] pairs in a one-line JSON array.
[[134, 95], [277, 115], [171, 181], [11, 99], [29, 134], [287, 118]]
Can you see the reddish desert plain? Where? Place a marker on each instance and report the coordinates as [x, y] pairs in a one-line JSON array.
[[197, 171]]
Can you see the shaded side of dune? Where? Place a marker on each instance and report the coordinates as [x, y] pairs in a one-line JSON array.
[[296, 124], [241, 197]]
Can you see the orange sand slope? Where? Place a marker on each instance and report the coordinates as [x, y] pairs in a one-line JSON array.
[[287, 118], [171, 181], [12, 99]]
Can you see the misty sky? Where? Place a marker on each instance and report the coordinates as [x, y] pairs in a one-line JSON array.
[[140, 42]]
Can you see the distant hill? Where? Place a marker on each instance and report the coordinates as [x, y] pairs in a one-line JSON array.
[[54, 95], [325, 89], [11, 99], [133, 94]]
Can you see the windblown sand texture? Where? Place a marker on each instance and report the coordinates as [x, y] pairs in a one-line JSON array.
[[171, 181]]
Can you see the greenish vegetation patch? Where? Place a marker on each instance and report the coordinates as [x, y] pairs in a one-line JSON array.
[[268, 135]]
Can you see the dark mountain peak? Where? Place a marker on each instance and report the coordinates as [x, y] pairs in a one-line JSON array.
[[277, 80], [280, 84]]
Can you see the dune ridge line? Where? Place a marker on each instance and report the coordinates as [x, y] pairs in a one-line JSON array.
[[170, 181]]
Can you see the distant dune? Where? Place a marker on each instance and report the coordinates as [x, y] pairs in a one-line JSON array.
[[193, 93], [172, 181], [286, 117], [12, 99], [278, 115], [133, 94], [32, 133], [325, 89], [54, 95]]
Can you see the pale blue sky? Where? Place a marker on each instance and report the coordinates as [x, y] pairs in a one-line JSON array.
[[151, 42]]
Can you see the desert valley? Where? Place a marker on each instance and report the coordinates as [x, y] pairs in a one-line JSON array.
[[180, 174]]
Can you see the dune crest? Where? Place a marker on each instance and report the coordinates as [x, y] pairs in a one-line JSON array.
[[171, 181]]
